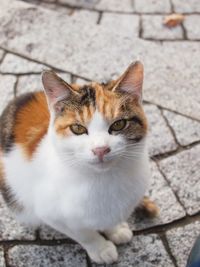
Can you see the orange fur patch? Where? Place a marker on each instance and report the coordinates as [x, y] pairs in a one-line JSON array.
[[32, 121]]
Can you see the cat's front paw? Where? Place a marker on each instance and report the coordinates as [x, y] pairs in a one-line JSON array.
[[107, 254], [120, 234]]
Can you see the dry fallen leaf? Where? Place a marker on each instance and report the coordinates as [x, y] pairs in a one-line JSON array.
[[173, 20]]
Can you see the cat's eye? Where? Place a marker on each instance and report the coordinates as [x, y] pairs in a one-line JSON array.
[[117, 126], [78, 129]]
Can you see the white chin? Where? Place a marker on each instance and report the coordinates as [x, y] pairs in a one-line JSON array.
[[99, 166]]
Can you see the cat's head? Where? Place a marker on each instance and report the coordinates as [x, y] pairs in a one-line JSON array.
[[97, 125]]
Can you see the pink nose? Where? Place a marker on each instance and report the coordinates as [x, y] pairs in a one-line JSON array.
[[100, 152]]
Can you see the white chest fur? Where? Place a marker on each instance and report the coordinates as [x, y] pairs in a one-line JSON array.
[[51, 191]]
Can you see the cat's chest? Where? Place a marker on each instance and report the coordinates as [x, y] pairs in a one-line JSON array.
[[100, 204]]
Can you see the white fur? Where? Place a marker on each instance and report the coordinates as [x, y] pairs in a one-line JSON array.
[[65, 187]]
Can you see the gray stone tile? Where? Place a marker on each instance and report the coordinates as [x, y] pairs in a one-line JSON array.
[[186, 6], [99, 55], [2, 261], [153, 6], [84, 16], [7, 83], [172, 81], [124, 23], [65, 76], [48, 233], [10, 229], [16, 65], [102, 5], [81, 81], [160, 138], [1, 54], [181, 240], [182, 172], [164, 198], [50, 1], [191, 24], [153, 28], [57, 8], [51, 256], [80, 3], [143, 251], [115, 5], [186, 130], [29, 83]]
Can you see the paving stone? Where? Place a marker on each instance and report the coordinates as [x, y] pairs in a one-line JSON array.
[[143, 251], [191, 24], [10, 229], [153, 28], [43, 256], [84, 16], [164, 198], [1, 54], [81, 81], [173, 80], [186, 6], [2, 261], [50, 1], [160, 138], [182, 172], [80, 3], [181, 240], [102, 5], [99, 54], [187, 131], [7, 83], [15, 64], [29, 83], [122, 22], [33, 82], [48, 233], [57, 8], [153, 6]]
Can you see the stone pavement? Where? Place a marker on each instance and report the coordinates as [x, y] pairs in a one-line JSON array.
[[96, 39]]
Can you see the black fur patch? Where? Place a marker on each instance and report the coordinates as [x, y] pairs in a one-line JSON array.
[[7, 120], [9, 198], [88, 95]]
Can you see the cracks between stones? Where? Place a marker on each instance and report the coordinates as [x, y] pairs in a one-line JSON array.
[[167, 248], [100, 17], [170, 128], [168, 183], [165, 155]]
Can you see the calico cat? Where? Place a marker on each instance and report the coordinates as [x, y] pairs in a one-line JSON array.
[[75, 158]]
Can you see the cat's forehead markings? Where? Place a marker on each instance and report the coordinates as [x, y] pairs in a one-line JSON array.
[[98, 122]]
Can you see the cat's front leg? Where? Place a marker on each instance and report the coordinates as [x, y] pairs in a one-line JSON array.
[[98, 248], [119, 234]]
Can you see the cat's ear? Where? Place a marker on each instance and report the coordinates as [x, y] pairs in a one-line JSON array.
[[55, 88], [131, 81]]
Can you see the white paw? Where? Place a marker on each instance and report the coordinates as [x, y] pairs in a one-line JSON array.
[[121, 234], [108, 254]]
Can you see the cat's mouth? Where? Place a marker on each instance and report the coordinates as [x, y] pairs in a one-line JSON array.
[[104, 164]]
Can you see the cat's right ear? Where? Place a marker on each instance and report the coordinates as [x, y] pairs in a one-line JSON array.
[[55, 88]]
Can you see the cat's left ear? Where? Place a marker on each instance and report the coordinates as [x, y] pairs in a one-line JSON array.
[[131, 81], [55, 88]]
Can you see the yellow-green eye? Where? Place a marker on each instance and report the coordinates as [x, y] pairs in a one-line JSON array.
[[78, 129], [118, 125]]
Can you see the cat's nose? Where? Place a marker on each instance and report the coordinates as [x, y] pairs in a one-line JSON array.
[[100, 152]]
